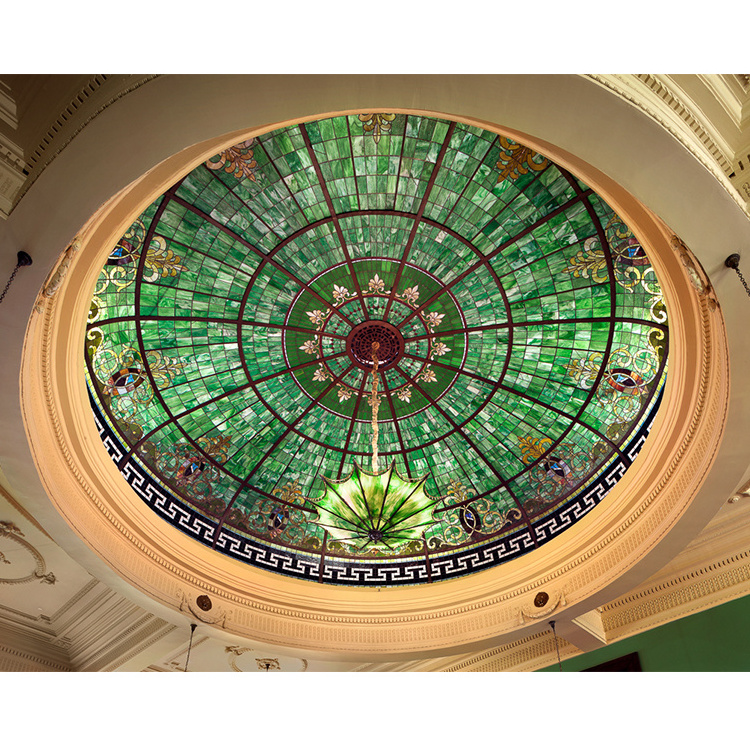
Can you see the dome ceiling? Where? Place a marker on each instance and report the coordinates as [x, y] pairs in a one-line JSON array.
[[520, 350]]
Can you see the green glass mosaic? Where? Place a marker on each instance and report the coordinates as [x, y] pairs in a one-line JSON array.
[[522, 331]]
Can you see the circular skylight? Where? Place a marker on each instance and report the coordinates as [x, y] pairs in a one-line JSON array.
[[376, 350]]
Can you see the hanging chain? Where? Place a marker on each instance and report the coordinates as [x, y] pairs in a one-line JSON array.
[[557, 648], [193, 626], [742, 279], [24, 259], [375, 403], [733, 261], [10, 281]]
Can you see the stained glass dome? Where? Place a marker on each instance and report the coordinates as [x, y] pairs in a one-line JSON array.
[[521, 350]]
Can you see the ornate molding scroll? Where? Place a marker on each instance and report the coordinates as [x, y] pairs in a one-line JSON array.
[[11, 531], [264, 663], [57, 275], [542, 606], [742, 494], [698, 277]]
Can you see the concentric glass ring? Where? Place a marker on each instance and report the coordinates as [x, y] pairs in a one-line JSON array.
[[523, 347]]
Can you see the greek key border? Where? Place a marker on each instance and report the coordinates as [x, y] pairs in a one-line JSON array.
[[387, 572]]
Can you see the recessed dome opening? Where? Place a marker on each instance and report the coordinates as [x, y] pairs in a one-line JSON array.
[[523, 341]]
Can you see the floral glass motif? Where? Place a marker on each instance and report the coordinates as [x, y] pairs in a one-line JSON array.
[[310, 347], [340, 293], [527, 334], [377, 124], [438, 349], [376, 284], [410, 295], [237, 161], [516, 160]]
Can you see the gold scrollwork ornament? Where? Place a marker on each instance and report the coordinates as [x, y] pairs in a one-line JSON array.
[[264, 663], [696, 274], [10, 531]]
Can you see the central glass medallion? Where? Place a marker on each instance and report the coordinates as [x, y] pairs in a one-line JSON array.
[[360, 340]]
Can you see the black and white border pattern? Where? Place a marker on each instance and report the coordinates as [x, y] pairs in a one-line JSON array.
[[386, 572]]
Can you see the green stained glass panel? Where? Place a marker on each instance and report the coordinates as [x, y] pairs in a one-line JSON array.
[[521, 336]]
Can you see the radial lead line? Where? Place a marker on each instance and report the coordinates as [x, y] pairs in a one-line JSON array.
[[375, 403]]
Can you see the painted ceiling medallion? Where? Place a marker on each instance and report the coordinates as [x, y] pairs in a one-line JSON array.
[[521, 350]]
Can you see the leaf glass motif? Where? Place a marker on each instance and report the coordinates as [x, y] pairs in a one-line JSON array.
[[585, 371], [163, 368], [290, 492], [457, 493], [237, 160], [217, 446], [590, 262], [376, 284], [160, 260], [517, 160], [377, 124], [383, 510], [317, 318], [310, 347], [533, 448]]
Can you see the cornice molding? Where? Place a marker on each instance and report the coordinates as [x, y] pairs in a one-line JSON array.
[[129, 644], [19, 660], [22, 650], [730, 92], [96, 94], [97, 629], [8, 109], [526, 655], [680, 117], [683, 589], [69, 608]]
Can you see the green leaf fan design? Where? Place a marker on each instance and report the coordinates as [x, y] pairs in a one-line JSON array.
[[375, 511]]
